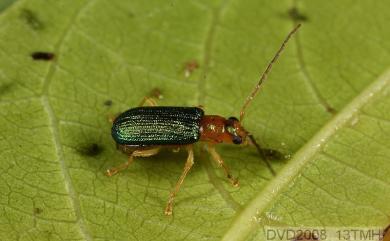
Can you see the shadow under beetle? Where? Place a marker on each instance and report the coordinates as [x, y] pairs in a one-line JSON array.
[[144, 130]]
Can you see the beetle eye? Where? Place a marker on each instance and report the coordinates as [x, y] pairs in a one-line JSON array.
[[237, 140], [233, 118]]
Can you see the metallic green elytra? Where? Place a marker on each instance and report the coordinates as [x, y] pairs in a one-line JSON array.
[[159, 125]]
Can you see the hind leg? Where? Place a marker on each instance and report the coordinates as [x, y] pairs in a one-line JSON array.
[[137, 153]]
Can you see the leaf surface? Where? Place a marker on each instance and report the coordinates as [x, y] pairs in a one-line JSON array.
[[325, 106]]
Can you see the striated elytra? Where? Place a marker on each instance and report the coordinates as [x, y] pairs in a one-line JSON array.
[[157, 125]]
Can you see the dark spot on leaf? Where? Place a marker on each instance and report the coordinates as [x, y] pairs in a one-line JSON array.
[[108, 103], [296, 15], [331, 110], [5, 88], [4, 4], [91, 150], [31, 19], [38, 210], [42, 56]]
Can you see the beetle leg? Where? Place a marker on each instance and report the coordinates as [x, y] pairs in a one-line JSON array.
[[137, 153], [176, 149], [217, 158], [150, 100], [111, 118], [187, 167], [200, 106], [147, 100]]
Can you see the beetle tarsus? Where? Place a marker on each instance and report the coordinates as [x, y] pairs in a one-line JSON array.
[[111, 172], [234, 181], [168, 209]]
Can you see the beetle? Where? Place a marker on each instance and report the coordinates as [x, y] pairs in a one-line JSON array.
[[144, 130]]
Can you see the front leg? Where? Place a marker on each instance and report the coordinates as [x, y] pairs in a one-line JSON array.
[[217, 158]]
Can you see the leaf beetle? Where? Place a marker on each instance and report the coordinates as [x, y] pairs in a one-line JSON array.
[[144, 130]]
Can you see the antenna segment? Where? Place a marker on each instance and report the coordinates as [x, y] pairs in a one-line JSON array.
[[266, 72]]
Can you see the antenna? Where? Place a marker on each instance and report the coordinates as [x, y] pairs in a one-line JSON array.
[[266, 72]]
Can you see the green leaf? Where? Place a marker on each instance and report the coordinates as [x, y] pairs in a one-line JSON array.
[[326, 105]]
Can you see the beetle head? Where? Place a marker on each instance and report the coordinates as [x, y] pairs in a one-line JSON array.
[[237, 132]]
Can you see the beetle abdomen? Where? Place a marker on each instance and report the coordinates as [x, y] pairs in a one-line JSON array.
[[146, 126]]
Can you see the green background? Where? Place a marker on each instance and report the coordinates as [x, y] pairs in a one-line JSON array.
[[325, 106]]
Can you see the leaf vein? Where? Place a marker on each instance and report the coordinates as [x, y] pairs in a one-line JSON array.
[[53, 122]]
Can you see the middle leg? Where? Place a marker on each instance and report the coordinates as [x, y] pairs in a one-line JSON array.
[[187, 167]]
